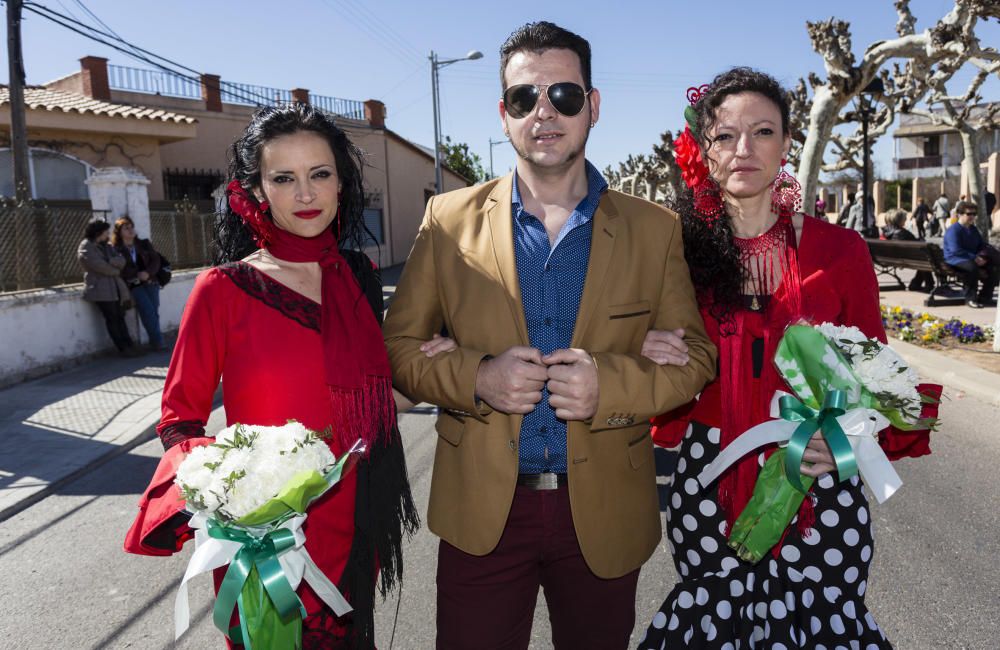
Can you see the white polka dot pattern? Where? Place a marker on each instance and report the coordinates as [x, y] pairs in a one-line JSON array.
[[811, 595]]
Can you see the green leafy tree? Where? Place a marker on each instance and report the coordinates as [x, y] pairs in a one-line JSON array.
[[457, 157]]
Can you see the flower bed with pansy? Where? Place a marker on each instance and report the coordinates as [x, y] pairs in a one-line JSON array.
[[952, 337], [922, 328]]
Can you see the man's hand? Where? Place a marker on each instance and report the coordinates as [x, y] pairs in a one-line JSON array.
[[513, 381], [143, 276], [981, 261], [437, 345], [666, 348], [573, 388], [818, 453]]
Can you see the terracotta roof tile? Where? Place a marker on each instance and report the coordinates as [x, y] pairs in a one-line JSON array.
[[39, 97]]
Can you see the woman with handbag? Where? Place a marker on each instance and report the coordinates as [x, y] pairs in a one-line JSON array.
[[140, 273], [103, 285]]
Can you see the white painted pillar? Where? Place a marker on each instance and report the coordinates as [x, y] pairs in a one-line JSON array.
[[122, 192]]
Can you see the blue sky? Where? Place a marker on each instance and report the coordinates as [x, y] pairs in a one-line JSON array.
[[645, 53]]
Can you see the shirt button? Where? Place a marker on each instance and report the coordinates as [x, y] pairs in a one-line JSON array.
[[548, 322], [543, 429]]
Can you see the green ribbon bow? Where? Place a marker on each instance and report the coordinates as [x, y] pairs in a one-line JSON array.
[[260, 553], [824, 420]]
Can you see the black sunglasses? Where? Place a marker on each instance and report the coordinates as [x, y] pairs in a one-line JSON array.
[[566, 97], [971, 213]]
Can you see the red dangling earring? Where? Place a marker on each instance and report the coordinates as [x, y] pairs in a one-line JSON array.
[[264, 206], [786, 193]]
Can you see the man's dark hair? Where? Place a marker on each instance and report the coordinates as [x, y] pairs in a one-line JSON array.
[[541, 36], [965, 206]]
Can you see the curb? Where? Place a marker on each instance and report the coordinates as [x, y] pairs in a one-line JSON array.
[[956, 375]]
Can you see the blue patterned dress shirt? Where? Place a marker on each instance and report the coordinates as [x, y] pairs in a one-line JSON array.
[[552, 278]]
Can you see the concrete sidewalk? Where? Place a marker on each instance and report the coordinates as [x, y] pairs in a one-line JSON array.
[[58, 428]]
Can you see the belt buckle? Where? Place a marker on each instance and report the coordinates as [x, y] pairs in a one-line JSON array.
[[543, 481]]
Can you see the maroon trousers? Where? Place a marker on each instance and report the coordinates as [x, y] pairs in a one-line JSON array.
[[488, 602]]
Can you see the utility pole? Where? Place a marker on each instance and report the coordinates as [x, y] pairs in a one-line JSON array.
[[437, 64], [18, 126]]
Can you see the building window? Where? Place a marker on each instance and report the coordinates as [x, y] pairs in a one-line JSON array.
[[932, 145], [373, 222], [196, 185], [53, 175]]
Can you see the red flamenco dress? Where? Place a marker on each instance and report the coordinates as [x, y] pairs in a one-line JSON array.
[[263, 340], [810, 592]]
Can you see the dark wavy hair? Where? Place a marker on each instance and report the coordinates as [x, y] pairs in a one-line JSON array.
[[116, 236], [94, 229], [233, 239], [539, 37], [709, 249]]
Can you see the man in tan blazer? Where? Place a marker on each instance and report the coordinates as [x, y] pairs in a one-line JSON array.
[[548, 283]]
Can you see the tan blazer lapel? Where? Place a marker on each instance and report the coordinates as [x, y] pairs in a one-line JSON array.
[[602, 248], [500, 217]]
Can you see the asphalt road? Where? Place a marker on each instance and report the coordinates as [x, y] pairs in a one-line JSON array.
[[66, 583]]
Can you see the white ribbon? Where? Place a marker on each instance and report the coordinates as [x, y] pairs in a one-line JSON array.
[[211, 553], [861, 425]]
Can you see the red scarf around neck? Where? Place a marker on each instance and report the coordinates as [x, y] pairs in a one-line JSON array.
[[355, 359]]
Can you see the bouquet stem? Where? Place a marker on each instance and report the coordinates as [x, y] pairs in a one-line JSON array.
[[259, 618], [768, 513]]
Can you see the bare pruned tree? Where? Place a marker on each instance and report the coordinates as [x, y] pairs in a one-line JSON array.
[[970, 117], [929, 58], [654, 176]]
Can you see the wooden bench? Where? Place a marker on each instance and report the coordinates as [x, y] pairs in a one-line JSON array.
[[890, 256]]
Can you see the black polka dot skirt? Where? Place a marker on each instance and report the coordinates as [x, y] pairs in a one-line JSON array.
[[812, 596]]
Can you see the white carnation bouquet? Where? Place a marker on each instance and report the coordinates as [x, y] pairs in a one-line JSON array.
[[844, 385], [885, 374], [248, 493]]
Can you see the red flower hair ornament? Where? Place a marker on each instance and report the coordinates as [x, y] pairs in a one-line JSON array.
[[254, 214], [694, 171]]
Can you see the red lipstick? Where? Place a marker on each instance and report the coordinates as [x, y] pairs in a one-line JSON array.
[[308, 214]]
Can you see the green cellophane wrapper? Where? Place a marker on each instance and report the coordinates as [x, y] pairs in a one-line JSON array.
[[260, 617], [264, 625], [768, 513]]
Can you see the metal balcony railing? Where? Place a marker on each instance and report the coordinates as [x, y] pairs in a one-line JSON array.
[[920, 162], [169, 84], [156, 82]]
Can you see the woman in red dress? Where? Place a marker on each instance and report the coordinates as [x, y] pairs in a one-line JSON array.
[[759, 265], [290, 323]]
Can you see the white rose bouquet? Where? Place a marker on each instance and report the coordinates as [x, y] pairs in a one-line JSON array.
[[249, 493]]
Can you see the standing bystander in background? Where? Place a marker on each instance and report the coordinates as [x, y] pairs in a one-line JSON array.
[[142, 263], [103, 284]]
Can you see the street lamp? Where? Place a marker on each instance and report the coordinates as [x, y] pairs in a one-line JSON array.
[[437, 64], [864, 108], [494, 143]]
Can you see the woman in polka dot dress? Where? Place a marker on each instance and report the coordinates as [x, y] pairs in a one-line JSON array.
[[759, 266]]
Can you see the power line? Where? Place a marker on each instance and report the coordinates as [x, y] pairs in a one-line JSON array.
[[134, 50], [385, 26], [372, 30], [94, 16]]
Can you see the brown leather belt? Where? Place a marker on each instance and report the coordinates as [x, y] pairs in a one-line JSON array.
[[546, 481]]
